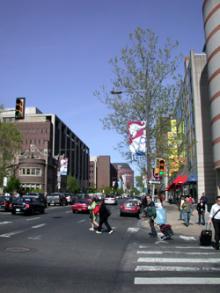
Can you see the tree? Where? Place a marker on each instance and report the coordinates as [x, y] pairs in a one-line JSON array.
[[147, 76], [10, 144], [72, 184], [13, 185]]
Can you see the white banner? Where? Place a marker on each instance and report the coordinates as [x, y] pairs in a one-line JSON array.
[[137, 137]]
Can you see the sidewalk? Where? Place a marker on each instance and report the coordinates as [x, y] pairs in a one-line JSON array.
[[178, 226]]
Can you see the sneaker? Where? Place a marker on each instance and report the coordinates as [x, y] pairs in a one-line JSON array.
[[98, 232], [110, 232], [91, 229]]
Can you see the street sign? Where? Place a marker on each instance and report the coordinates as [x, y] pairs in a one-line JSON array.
[[154, 181]]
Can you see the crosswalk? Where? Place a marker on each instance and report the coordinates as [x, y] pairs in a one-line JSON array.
[[193, 265]]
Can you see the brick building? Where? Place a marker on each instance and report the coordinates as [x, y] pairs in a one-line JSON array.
[[45, 139]]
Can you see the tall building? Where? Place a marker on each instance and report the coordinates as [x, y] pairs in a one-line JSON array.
[[100, 172], [46, 142], [125, 176], [193, 119], [211, 16]]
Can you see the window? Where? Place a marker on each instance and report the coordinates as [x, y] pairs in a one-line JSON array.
[[30, 172]]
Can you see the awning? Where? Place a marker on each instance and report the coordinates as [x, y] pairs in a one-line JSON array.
[[192, 179], [181, 179]]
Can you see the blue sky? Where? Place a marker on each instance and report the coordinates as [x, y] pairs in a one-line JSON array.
[[56, 54]]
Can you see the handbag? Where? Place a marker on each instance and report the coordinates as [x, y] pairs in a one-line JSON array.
[[215, 214]]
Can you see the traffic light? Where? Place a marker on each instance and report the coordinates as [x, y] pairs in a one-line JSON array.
[[161, 166], [20, 108]]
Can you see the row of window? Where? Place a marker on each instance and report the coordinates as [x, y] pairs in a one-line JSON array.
[[30, 172]]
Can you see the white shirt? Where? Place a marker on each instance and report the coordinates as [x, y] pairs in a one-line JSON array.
[[214, 209]]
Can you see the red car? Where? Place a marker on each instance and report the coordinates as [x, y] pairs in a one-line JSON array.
[[130, 207], [81, 205], [5, 203]]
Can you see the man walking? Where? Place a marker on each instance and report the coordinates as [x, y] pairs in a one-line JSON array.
[[150, 212], [104, 214], [214, 218]]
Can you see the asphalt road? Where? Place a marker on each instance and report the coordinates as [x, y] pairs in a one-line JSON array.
[[56, 252]]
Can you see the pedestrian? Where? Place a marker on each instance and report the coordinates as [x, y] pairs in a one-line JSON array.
[[150, 213], [182, 199], [201, 208], [187, 210], [104, 214], [214, 218], [92, 215], [204, 198]]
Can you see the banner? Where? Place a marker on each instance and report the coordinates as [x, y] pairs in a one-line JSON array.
[[63, 165], [137, 137]]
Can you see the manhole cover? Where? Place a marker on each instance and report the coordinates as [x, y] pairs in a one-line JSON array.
[[17, 249]]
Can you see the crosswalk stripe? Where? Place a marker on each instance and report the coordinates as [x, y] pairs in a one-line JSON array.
[[8, 235], [177, 281], [173, 252], [175, 269], [178, 260]]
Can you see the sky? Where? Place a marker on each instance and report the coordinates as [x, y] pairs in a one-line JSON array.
[[56, 54]]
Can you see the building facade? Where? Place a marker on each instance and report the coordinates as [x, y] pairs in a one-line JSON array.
[[45, 139], [211, 17]]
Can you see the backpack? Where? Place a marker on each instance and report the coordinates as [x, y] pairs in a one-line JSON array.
[[96, 209], [151, 212]]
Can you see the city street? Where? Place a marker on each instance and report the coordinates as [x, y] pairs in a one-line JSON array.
[[56, 252]]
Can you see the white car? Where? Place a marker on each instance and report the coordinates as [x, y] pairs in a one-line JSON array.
[[110, 200]]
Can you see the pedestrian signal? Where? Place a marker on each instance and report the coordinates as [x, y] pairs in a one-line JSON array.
[[20, 108]]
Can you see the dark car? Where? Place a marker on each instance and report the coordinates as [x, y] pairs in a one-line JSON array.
[[130, 207], [39, 196], [27, 205], [81, 205], [56, 198], [5, 203]]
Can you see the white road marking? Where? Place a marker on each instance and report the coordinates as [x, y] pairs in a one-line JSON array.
[[177, 281], [172, 252], [182, 247], [5, 222], [133, 230], [32, 219], [187, 238], [175, 269], [38, 226], [178, 260], [8, 235]]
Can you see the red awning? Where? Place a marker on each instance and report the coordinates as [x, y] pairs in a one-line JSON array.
[[181, 179]]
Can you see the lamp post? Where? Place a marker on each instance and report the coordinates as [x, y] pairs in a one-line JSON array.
[[146, 110]]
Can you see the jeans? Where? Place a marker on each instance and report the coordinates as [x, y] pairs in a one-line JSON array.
[[186, 216], [201, 218]]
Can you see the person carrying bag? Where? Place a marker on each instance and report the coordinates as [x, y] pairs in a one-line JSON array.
[[214, 218]]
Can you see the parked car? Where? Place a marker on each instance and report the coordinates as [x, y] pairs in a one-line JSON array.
[[38, 195], [27, 205], [56, 198], [130, 207], [109, 199], [5, 203], [81, 205]]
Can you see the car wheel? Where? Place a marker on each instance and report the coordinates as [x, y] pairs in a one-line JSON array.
[[13, 212], [121, 214], [42, 211]]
